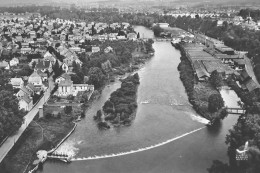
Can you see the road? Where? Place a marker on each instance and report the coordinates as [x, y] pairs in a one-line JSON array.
[[9, 143], [250, 70]]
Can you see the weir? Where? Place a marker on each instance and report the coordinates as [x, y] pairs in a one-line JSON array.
[[138, 150]]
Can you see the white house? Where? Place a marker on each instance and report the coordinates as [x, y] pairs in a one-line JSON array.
[[26, 103], [66, 88], [163, 25], [14, 62], [95, 49], [4, 65], [17, 82], [25, 50]]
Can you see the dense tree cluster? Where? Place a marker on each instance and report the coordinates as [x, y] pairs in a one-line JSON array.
[[255, 14], [122, 103], [11, 117]]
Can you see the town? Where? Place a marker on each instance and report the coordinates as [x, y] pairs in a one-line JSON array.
[[82, 86]]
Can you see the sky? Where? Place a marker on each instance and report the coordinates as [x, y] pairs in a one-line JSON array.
[[39, 2]]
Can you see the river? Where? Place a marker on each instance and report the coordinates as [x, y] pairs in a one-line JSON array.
[[166, 135]]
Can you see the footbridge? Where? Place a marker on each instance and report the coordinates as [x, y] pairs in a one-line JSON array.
[[236, 111]]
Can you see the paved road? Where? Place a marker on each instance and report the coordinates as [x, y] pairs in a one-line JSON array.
[[249, 69], [9, 143]]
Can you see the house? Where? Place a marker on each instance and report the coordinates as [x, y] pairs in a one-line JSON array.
[[95, 49], [108, 49], [220, 23], [121, 37], [4, 65], [25, 50], [247, 83], [49, 57], [14, 62], [25, 103], [23, 91], [35, 79], [63, 77], [25, 45], [163, 25], [17, 82], [239, 63], [44, 66], [43, 75], [201, 72], [132, 36], [30, 87], [66, 88]]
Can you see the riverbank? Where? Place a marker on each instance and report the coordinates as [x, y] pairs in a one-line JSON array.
[[198, 92], [41, 134]]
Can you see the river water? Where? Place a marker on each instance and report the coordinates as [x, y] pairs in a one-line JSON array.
[[166, 135]]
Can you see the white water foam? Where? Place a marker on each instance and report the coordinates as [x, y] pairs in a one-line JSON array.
[[199, 119], [68, 148], [135, 151]]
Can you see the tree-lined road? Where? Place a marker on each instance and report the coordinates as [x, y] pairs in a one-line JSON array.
[[10, 142]]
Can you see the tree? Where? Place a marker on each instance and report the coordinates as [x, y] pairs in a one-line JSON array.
[[76, 79], [11, 118], [157, 30], [216, 79], [68, 109], [218, 167], [138, 35], [215, 102], [70, 97], [96, 77]]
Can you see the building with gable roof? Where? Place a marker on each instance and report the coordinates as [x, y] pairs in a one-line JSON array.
[[66, 88], [23, 91], [26, 103], [63, 77], [17, 82], [35, 79], [44, 66]]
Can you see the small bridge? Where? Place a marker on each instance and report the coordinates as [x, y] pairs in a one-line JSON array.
[[236, 111], [158, 39]]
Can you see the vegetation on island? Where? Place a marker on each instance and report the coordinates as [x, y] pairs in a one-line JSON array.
[[204, 97], [120, 109]]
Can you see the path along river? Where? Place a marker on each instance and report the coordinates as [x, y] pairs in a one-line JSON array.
[[166, 135]]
